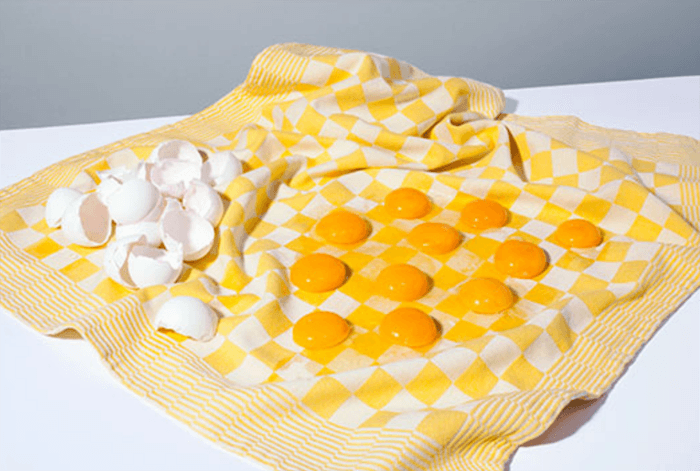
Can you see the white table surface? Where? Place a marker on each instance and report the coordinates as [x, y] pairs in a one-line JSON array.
[[61, 410]]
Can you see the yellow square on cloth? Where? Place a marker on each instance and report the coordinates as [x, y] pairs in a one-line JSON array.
[[322, 128]]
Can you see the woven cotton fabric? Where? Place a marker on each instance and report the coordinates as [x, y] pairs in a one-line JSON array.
[[320, 129]]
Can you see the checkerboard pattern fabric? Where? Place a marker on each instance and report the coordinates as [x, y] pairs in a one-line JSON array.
[[321, 128]]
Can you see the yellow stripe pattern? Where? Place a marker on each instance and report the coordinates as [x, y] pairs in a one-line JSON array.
[[322, 128]]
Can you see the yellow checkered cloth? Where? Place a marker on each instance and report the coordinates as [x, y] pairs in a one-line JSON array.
[[321, 128]]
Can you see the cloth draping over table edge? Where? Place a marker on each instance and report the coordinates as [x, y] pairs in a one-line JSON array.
[[297, 424]]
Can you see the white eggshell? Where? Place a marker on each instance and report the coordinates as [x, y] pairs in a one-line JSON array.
[[203, 200], [175, 149], [150, 226], [57, 203], [120, 174], [188, 316], [86, 221], [155, 214], [220, 168], [172, 176], [115, 261], [150, 266], [83, 182], [107, 187], [142, 171], [149, 229], [125, 173], [171, 204], [133, 201], [192, 231], [123, 158]]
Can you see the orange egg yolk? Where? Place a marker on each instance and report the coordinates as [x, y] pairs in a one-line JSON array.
[[403, 282], [342, 227], [486, 295], [321, 329], [407, 203], [434, 238], [409, 327], [480, 215], [520, 259], [577, 233], [318, 272]]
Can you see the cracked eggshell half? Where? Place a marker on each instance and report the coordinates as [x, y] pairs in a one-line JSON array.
[[57, 203], [150, 266], [133, 201], [141, 171], [220, 169], [83, 182], [172, 176], [171, 204], [175, 149], [123, 174], [202, 199], [187, 316], [149, 229], [149, 226], [108, 185], [116, 259], [189, 230], [87, 221], [125, 158], [120, 174]]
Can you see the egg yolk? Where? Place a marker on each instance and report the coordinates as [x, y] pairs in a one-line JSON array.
[[409, 327], [577, 233], [342, 227], [480, 215], [318, 272], [520, 259], [321, 329], [407, 203], [403, 282], [434, 238], [486, 295]]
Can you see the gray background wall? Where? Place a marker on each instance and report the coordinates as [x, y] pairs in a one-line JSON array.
[[66, 62]]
